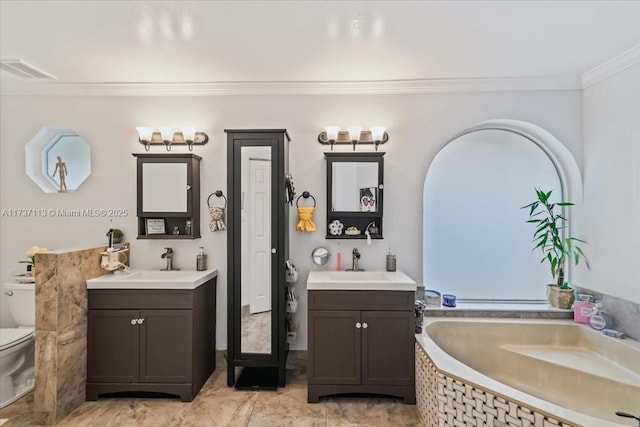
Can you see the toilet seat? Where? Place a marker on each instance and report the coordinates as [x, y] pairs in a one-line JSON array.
[[10, 337]]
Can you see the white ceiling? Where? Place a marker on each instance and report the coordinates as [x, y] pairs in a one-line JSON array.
[[302, 41]]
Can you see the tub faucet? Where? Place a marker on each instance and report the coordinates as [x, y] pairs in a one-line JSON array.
[[169, 256], [355, 257]]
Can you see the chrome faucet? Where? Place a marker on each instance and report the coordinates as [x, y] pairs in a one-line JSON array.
[[355, 256], [169, 256]]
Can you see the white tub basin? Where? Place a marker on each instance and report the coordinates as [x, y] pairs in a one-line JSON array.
[[152, 279], [360, 280]]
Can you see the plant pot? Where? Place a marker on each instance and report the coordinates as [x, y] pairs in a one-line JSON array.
[[560, 298]]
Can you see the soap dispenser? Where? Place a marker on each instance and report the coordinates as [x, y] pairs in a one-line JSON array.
[[391, 261], [600, 319], [201, 260]]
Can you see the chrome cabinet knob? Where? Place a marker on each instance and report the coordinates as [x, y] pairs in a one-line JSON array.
[[365, 326], [134, 321], [358, 325], [188, 187], [9, 293], [140, 321]]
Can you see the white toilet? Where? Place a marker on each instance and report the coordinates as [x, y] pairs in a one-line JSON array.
[[17, 345]]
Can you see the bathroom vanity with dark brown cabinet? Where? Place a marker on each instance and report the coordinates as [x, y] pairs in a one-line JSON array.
[[361, 342], [151, 340]]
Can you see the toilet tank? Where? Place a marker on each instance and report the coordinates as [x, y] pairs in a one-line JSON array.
[[22, 302]]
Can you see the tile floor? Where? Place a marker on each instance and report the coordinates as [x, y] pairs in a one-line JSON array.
[[219, 405]]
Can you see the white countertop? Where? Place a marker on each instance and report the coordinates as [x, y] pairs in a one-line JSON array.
[[152, 279], [360, 281]]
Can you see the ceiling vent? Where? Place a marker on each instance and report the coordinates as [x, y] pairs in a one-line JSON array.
[[23, 69]]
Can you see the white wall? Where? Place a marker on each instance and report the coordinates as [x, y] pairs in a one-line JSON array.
[[610, 217], [418, 126]]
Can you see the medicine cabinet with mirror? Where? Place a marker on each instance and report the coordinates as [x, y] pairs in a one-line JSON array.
[[58, 160], [168, 196], [354, 195]]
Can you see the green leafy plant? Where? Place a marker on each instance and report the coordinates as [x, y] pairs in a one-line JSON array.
[[549, 236], [117, 233]]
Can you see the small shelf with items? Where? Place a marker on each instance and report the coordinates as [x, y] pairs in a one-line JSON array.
[[166, 227], [168, 196], [345, 225]]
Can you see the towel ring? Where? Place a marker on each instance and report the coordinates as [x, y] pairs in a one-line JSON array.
[[217, 193], [306, 195]]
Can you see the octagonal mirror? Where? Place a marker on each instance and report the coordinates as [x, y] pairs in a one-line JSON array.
[[58, 160]]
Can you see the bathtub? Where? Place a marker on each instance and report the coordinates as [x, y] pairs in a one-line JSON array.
[[524, 372]]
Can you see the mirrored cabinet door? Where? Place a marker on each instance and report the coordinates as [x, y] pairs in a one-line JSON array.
[[257, 249], [354, 195], [165, 187]]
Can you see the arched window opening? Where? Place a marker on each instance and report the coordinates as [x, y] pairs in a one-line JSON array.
[[477, 244]]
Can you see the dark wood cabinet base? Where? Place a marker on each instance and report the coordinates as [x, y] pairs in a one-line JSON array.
[[184, 391], [151, 340], [408, 393], [361, 342]]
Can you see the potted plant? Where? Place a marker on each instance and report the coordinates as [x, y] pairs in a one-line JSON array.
[[556, 248], [117, 235], [31, 253]]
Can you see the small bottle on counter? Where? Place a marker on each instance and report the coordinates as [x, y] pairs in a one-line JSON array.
[[391, 261], [600, 319], [201, 260]]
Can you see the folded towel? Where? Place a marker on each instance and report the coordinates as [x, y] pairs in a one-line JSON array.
[[217, 218], [305, 217]]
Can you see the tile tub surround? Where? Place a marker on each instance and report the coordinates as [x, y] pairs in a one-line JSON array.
[[500, 310], [61, 331], [517, 360], [219, 405], [626, 314]]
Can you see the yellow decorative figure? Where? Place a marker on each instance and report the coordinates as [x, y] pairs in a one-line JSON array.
[[305, 219]]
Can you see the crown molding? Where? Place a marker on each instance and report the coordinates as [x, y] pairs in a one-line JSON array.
[[611, 67], [371, 87]]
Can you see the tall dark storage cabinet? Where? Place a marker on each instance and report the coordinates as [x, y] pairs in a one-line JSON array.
[[258, 247]]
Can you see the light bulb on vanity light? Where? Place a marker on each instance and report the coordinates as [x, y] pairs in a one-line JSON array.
[[167, 134], [189, 133], [354, 135], [377, 135], [145, 133], [331, 133]]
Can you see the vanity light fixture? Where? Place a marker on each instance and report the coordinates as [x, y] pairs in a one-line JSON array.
[[354, 135], [168, 137]]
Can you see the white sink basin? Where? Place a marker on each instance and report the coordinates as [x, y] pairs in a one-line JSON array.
[[360, 276], [159, 275], [360, 280], [152, 279]]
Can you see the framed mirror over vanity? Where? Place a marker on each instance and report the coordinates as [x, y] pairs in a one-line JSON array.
[[257, 250], [354, 195]]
